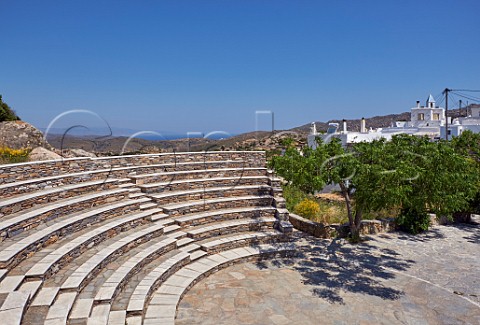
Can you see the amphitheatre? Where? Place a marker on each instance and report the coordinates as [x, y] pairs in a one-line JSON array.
[[204, 238]]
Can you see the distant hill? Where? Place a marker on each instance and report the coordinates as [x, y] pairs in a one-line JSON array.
[[260, 140]]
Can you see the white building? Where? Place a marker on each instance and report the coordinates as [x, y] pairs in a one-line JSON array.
[[424, 120], [461, 124]]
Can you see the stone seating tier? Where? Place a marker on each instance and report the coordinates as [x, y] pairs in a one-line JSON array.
[[25, 201], [196, 219], [189, 207], [201, 183], [198, 174], [14, 224], [15, 250], [38, 183], [171, 197], [24, 171]]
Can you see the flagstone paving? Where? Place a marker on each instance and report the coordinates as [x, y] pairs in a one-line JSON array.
[[394, 278]]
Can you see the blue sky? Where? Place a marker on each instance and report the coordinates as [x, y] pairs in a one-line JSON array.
[[185, 66]]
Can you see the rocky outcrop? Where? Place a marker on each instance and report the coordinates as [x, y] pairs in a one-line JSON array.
[[40, 153], [19, 135], [81, 153]]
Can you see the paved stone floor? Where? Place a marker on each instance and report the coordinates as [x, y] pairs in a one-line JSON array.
[[393, 278]]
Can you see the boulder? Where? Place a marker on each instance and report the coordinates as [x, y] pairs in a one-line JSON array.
[[40, 153], [82, 153], [20, 135]]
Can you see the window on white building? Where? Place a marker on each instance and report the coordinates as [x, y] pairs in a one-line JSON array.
[[421, 116], [436, 116]]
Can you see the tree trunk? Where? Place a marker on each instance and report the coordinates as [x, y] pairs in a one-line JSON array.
[[354, 221]]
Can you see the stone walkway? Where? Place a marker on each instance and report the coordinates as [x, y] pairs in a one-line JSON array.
[[392, 278]]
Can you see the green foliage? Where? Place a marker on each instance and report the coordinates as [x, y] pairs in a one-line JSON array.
[[307, 208], [468, 144], [300, 168], [413, 221], [409, 173], [293, 195], [6, 113], [11, 156]]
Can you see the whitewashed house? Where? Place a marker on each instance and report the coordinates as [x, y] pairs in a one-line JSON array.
[[424, 120], [461, 124]]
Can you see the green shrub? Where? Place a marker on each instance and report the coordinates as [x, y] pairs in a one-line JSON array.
[[6, 113], [8, 155], [293, 195], [413, 220], [307, 208]]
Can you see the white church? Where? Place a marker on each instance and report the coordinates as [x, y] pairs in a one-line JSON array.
[[428, 120]]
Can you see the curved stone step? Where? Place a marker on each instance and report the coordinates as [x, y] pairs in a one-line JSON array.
[[210, 193], [198, 173], [233, 241], [89, 268], [196, 219], [121, 275], [12, 310], [152, 281], [227, 227], [188, 207], [20, 249], [186, 184], [27, 219], [72, 248], [60, 309], [25, 201], [40, 183]]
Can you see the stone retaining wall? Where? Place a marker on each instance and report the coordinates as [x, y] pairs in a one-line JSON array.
[[321, 230]]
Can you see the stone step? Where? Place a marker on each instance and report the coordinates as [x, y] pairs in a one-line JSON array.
[[3, 272], [184, 241], [217, 203], [148, 205], [152, 280], [75, 246], [171, 228], [189, 248], [13, 308], [170, 197], [81, 309], [124, 272], [196, 219], [117, 317], [11, 283], [25, 201], [20, 249], [159, 216], [30, 218], [197, 254], [60, 309], [78, 279], [39, 183], [31, 287], [46, 296], [236, 240], [99, 315], [186, 184], [198, 173], [227, 227], [135, 195]]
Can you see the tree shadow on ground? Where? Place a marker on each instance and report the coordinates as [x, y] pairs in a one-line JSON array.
[[472, 231], [335, 266], [432, 234]]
